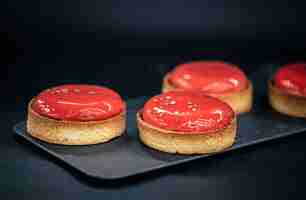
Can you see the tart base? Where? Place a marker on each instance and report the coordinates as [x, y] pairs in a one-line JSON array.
[[74, 132], [195, 143], [241, 102], [285, 103]]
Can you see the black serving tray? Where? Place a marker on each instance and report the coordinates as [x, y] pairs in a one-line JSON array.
[[126, 156]]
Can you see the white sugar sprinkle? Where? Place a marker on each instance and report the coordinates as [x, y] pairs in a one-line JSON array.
[[172, 102], [76, 90]]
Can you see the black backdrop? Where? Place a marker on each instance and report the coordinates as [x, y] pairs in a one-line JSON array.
[[129, 45]]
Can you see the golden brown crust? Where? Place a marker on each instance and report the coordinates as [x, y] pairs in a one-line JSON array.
[[241, 102], [176, 142], [286, 103], [74, 132]]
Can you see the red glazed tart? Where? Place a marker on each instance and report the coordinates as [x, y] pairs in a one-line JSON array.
[[187, 122], [218, 79], [287, 90], [76, 115]]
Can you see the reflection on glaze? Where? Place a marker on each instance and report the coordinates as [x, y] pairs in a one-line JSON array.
[[187, 111], [212, 77], [78, 103], [292, 79]]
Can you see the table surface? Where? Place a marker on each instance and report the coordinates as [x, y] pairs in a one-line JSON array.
[[274, 169]]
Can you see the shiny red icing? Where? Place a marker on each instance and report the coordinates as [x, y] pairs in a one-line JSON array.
[[212, 77], [78, 103], [292, 79], [187, 111]]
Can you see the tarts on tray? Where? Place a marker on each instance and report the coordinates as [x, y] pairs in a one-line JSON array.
[[187, 122], [76, 115], [218, 79], [287, 90]]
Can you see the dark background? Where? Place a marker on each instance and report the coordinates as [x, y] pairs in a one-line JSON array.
[[120, 43], [129, 46]]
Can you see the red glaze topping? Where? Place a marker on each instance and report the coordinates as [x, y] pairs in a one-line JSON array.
[[78, 103], [212, 77], [187, 111], [292, 79]]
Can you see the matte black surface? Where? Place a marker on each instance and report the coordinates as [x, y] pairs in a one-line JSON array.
[[126, 156]]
